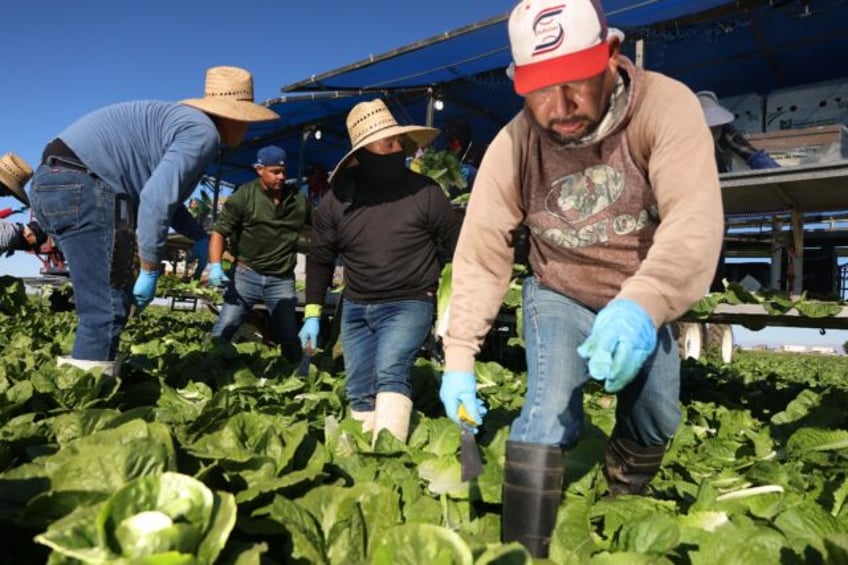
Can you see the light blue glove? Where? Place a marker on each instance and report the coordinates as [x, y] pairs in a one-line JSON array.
[[217, 276], [200, 253], [622, 338], [145, 288], [460, 387], [309, 332]]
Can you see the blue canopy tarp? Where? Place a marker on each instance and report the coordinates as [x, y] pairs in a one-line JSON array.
[[729, 47]]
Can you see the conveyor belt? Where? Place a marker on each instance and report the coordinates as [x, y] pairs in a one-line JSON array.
[[807, 188]]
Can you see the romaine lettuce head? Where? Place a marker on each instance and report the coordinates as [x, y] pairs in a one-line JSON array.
[[168, 518]]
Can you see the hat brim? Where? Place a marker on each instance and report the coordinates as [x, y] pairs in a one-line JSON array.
[[13, 188], [419, 135], [239, 110], [566, 68], [718, 116]]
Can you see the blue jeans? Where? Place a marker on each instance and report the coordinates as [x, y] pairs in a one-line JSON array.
[[380, 343], [78, 210], [647, 410], [248, 288]]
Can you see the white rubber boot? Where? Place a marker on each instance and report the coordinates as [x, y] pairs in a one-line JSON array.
[[110, 368], [367, 419], [392, 412]]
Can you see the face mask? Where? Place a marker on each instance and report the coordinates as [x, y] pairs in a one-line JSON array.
[[381, 169]]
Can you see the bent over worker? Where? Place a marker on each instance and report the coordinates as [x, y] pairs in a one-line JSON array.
[[125, 162], [612, 170], [17, 236]]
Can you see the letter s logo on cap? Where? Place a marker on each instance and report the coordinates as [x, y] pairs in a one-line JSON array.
[[549, 32]]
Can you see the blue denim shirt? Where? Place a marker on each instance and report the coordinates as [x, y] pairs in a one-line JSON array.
[[155, 152]]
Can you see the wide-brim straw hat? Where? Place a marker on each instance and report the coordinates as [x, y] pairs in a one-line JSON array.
[[229, 94], [14, 174], [372, 121], [715, 113]]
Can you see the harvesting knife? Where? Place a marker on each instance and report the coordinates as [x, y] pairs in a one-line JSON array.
[[305, 360], [469, 455]]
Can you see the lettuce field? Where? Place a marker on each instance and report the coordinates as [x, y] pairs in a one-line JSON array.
[[204, 452]]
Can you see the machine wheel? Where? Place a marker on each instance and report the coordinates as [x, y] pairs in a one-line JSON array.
[[256, 327], [720, 342], [690, 341]]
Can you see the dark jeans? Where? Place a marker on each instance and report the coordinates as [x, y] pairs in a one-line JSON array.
[[647, 410], [248, 288], [78, 210], [380, 342]]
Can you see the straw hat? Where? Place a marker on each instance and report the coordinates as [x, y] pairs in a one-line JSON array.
[[715, 113], [372, 121], [229, 93], [14, 174]]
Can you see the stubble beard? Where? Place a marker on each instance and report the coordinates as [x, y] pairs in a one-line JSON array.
[[590, 128]]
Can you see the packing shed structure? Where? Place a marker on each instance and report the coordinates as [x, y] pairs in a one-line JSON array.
[[776, 64]]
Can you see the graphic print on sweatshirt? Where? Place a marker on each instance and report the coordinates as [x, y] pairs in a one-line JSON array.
[[585, 203]]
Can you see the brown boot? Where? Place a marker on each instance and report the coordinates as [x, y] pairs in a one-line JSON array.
[[532, 492], [629, 467]]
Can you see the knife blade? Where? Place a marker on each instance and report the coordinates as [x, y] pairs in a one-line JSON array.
[[305, 361], [470, 462]]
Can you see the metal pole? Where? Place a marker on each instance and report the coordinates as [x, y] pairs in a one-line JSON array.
[[301, 157], [798, 251], [216, 189], [640, 53], [777, 247]]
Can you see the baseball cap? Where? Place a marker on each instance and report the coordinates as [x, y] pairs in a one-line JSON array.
[[271, 156], [554, 42]]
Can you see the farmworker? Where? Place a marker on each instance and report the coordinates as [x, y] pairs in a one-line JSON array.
[[393, 229], [728, 139], [612, 170], [125, 162], [459, 141], [317, 182], [17, 236], [262, 219]]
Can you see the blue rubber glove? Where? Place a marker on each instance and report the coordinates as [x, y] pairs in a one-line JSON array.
[[309, 332], [217, 276], [761, 160], [145, 288], [622, 338], [460, 387], [199, 253]]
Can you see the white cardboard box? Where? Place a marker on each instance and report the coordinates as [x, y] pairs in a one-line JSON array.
[[749, 110], [817, 104]]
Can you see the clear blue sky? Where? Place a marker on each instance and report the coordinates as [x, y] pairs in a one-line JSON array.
[[63, 59]]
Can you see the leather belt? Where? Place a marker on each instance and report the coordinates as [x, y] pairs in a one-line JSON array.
[[57, 151]]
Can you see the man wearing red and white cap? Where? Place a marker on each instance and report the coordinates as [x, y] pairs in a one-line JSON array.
[[611, 170]]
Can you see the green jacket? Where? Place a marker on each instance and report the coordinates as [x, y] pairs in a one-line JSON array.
[[261, 234]]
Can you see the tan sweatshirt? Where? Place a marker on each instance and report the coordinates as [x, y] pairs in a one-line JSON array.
[[635, 214]]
